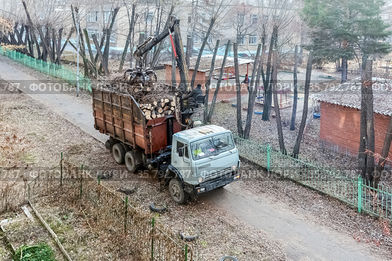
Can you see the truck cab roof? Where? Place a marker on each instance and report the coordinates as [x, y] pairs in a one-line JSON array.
[[199, 133]]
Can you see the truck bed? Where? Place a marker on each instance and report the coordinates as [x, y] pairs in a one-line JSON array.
[[120, 116]]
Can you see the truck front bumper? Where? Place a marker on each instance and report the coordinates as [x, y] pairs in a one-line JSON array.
[[216, 183]]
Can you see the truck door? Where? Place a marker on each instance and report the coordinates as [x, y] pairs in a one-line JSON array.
[[181, 159]]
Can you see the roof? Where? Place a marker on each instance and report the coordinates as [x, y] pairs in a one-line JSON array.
[[349, 95], [205, 62], [200, 132]]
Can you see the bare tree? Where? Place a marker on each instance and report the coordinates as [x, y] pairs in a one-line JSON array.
[[211, 112], [367, 138], [131, 19], [276, 101], [208, 83], [238, 86], [216, 11], [295, 98], [306, 105], [252, 93]]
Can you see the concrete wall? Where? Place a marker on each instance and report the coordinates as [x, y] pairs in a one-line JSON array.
[[341, 126]]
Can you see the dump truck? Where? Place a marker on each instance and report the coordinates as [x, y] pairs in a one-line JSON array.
[[160, 136], [190, 161]]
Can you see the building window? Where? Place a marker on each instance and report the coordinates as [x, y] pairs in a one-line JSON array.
[[92, 17], [189, 19], [241, 40], [149, 16], [252, 39], [254, 19], [106, 16]]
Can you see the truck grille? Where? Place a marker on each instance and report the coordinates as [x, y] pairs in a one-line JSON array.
[[215, 173]]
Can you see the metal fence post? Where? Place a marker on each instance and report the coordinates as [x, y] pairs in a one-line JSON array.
[[61, 169], [186, 252], [125, 214], [152, 238], [268, 157], [360, 183], [81, 182]]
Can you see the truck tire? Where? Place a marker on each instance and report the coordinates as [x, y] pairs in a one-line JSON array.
[[118, 152], [130, 161], [177, 191]]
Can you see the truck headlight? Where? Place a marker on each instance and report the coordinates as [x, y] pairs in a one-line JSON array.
[[200, 179], [234, 168]]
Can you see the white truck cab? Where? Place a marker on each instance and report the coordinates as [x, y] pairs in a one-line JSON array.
[[202, 159]]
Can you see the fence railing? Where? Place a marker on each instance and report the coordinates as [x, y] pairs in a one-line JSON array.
[[128, 226], [49, 68], [335, 183], [133, 227]]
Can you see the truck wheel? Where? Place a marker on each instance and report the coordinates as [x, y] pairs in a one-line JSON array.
[[177, 191], [118, 152], [130, 161]]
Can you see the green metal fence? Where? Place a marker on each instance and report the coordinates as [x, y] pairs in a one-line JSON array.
[[49, 68], [335, 183]]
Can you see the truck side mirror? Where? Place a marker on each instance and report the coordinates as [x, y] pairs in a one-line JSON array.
[[181, 152]]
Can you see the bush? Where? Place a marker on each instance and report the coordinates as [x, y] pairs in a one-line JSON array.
[[41, 252]]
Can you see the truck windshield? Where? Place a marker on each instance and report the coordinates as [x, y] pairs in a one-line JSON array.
[[212, 146]]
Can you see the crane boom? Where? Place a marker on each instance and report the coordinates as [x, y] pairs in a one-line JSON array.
[[173, 28], [153, 41]]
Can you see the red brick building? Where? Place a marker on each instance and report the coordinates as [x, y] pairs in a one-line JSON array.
[[340, 114]]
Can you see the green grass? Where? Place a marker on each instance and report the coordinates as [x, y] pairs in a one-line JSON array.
[[41, 252]]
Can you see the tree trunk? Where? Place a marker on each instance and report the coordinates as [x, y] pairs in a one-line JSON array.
[[276, 102], [363, 131], [65, 44], [130, 33], [305, 109], [105, 62], [384, 154], [238, 84], [367, 84], [157, 51], [201, 51], [188, 50], [29, 41], [99, 56], [344, 70], [82, 50], [208, 83], [184, 73], [252, 90], [174, 70], [32, 30], [295, 98], [267, 83], [222, 70], [90, 51]]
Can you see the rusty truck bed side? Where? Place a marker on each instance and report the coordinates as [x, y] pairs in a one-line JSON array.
[[120, 116]]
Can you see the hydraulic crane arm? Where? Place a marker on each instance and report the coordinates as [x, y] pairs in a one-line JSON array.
[[173, 28], [153, 41]]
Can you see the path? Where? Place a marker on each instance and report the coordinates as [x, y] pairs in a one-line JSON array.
[[300, 239]]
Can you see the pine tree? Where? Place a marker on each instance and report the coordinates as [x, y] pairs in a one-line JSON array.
[[344, 29]]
